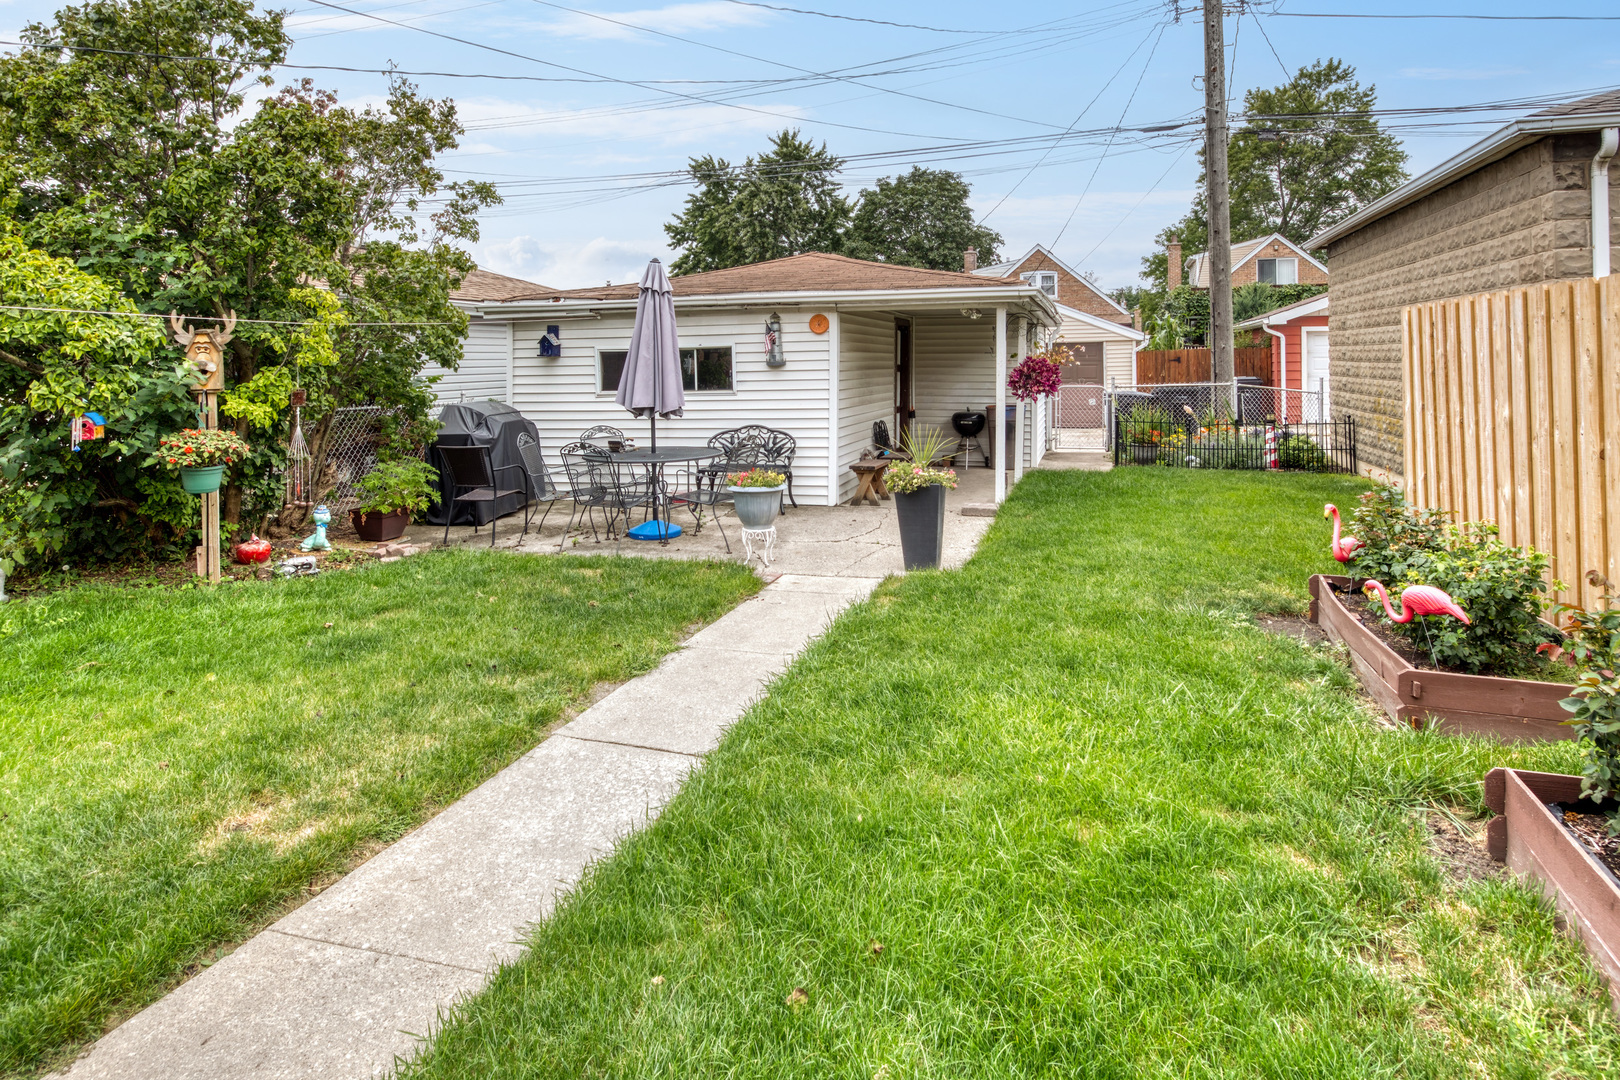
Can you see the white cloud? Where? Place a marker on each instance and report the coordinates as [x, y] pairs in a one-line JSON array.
[[674, 19], [665, 127], [1434, 74], [565, 264]]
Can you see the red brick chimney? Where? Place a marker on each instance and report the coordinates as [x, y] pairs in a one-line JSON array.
[[1173, 277], [970, 260]]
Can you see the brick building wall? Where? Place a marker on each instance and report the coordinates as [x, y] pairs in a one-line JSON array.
[[1073, 291], [1519, 221], [1249, 272]]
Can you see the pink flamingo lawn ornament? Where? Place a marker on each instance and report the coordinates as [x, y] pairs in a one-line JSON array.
[[1344, 548], [1419, 600]]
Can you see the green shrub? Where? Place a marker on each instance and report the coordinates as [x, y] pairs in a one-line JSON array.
[[404, 484], [1499, 586], [1593, 645], [1393, 534], [1301, 452]]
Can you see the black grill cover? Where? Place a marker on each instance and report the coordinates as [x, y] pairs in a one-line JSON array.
[[481, 423]]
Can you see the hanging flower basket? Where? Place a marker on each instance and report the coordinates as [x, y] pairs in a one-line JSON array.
[[201, 457]]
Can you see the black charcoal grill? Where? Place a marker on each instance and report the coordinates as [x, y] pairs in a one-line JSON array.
[[969, 425]]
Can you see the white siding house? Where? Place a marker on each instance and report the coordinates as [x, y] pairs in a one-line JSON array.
[[833, 385], [485, 371]]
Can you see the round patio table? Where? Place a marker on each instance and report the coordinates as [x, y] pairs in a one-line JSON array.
[[662, 530]]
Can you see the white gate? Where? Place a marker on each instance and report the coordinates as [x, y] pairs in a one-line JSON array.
[[1080, 420]]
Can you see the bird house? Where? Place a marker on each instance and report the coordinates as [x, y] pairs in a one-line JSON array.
[[205, 349], [551, 341]]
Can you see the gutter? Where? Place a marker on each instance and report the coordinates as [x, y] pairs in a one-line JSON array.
[[984, 297], [1493, 147], [1608, 143], [1282, 363]]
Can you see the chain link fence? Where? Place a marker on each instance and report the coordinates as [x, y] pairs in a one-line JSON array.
[[353, 440], [1214, 425]]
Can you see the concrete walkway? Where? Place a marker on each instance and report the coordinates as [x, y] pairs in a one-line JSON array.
[[363, 971]]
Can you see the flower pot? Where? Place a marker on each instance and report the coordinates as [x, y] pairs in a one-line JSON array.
[[1144, 453], [1515, 710], [202, 480], [757, 507], [376, 526], [922, 525]]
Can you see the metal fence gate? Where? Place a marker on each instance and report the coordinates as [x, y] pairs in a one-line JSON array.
[[1080, 417]]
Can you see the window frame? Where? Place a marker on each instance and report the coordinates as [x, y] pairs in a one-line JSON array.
[[730, 347], [1259, 265], [1034, 277]]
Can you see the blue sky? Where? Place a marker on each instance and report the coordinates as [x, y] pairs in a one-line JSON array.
[[585, 164]]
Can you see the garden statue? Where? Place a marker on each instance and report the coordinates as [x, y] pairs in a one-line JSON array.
[[1419, 600], [205, 349], [1345, 548], [317, 541]]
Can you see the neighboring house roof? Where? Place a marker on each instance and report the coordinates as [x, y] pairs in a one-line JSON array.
[[1010, 269], [814, 272], [481, 286], [1198, 265], [1586, 114], [1311, 305], [1073, 315]]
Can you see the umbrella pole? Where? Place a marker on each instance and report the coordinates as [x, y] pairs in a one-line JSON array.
[[658, 477]]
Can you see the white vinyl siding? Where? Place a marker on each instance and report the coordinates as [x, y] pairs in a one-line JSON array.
[[483, 372], [865, 387], [560, 393]]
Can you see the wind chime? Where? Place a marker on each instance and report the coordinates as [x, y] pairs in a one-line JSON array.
[[299, 481]]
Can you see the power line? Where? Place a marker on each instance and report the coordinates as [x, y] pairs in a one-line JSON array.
[[1121, 219], [1262, 28], [874, 22], [1476, 18]]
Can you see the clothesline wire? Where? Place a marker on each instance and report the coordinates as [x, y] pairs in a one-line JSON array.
[[202, 318]]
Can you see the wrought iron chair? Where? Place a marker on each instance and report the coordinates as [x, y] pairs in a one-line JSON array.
[[774, 450], [473, 480], [542, 486], [601, 433], [701, 487], [635, 486], [589, 470]]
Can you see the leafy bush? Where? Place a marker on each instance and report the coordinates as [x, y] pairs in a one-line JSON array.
[[403, 484], [1150, 424], [1499, 586], [1593, 645], [1300, 452], [1393, 534]]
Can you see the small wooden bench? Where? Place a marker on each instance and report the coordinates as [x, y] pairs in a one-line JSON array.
[[869, 474]]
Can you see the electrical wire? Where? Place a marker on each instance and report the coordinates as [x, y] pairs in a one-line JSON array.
[[1476, 18], [1121, 219], [1261, 26]]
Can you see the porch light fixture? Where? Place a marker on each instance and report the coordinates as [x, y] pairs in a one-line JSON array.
[[773, 342], [972, 312]]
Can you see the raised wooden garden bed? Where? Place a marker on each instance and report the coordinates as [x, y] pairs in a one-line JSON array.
[[1515, 709], [1528, 836]]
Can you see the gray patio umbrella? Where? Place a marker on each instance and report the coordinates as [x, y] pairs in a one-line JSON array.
[[651, 384]]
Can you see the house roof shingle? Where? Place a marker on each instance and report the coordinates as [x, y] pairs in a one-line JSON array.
[[482, 286], [811, 272]]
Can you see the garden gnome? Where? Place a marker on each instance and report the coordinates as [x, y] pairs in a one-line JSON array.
[[318, 541]]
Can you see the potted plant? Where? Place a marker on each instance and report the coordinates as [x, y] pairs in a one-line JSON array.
[[390, 494], [757, 496], [201, 456], [1145, 429], [918, 485]]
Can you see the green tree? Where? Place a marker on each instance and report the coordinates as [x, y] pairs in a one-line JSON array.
[[1308, 156], [144, 173], [785, 202], [919, 219]]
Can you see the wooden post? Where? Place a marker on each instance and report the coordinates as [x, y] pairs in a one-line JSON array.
[[1220, 225], [208, 563]]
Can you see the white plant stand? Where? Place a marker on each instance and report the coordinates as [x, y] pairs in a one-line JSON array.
[[765, 538]]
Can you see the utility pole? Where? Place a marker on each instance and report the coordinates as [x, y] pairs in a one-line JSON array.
[[1220, 208]]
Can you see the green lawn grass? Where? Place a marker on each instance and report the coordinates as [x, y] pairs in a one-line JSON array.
[[178, 766], [1098, 822]]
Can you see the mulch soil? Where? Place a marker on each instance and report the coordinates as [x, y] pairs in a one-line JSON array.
[[347, 553], [1591, 830], [1461, 852]]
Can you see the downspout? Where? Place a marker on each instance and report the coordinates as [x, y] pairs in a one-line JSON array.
[[1608, 144], [1282, 368]]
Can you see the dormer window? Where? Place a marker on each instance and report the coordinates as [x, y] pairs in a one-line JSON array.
[[1044, 280], [1279, 271]]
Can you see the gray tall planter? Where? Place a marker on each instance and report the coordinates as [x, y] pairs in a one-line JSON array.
[[757, 507], [922, 525]]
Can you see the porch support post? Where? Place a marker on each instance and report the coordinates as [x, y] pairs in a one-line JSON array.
[[835, 449], [1021, 406], [1000, 419]]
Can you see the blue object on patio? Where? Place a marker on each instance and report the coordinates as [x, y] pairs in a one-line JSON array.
[[655, 529]]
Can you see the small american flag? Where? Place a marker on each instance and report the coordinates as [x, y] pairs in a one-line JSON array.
[[770, 340]]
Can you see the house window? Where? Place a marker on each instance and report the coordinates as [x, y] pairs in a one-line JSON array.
[[701, 369], [1279, 271], [1044, 280]]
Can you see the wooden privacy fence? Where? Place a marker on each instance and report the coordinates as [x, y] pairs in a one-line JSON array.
[[1156, 366], [1513, 416]]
